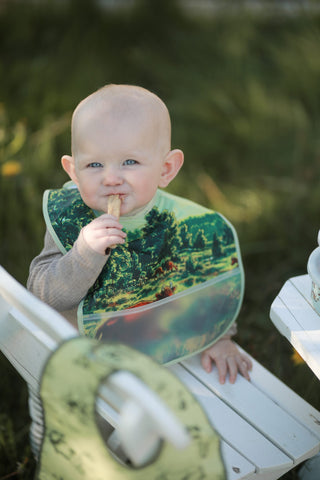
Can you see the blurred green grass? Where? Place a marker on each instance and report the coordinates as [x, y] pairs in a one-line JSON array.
[[243, 92]]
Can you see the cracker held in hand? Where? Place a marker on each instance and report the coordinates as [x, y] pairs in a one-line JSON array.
[[114, 205]]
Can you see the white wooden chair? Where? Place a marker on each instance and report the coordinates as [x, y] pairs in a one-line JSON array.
[[265, 428]]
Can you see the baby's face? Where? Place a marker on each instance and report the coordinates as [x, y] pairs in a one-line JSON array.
[[119, 157]]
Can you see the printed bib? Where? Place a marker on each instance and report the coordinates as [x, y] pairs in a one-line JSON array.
[[173, 289]]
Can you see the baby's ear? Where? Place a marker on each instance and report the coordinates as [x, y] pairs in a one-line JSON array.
[[171, 166], [69, 166]]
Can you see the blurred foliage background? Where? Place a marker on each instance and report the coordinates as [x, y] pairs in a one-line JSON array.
[[243, 91]]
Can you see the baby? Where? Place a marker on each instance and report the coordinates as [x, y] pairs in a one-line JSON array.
[[121, 145]]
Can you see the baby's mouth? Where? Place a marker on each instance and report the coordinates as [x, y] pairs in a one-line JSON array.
[[120, 195]]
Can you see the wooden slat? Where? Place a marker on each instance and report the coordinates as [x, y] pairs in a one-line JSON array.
[[25, 345], [285, 397], [295, 318], [47, 320], [234, 430], [303, 311], [251, 403], [303, 284], [237, 467]]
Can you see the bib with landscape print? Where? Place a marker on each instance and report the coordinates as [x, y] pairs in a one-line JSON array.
[[174, 288]]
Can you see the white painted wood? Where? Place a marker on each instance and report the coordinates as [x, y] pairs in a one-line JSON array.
[[265, 427], [46, 319], [25, 345], [286, 398], [298, 303], [293, 315], [237, 467], [302, 340], [250, 403], [233, 428], [303, 284]]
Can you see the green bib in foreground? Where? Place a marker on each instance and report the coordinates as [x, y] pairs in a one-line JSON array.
[[173, 289], [73, 448]]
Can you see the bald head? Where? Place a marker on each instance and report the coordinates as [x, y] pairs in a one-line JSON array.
[[120, 103]]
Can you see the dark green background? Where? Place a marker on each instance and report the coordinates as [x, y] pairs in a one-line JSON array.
[[243, 92]]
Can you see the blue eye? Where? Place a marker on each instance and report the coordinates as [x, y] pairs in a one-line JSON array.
[[95, 165], [130, 162]]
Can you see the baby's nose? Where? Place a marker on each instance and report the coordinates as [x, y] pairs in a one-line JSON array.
[[112, 176]]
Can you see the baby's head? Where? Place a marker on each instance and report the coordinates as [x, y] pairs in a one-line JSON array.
[[121, 144]]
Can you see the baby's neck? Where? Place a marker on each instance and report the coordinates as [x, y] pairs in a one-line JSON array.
[[136, 220]]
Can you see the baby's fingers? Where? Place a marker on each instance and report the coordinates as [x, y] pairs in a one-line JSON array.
[[223, 365], [113, 232], [245, 365], [232, 368], [206, 361], [112, 238]]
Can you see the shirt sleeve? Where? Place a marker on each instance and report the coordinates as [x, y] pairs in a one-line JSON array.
[[62, 281]]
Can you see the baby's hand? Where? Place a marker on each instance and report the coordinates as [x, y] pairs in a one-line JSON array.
[[103, 232], [227, 358]]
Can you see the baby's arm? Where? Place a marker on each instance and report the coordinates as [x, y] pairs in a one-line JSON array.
[[62, 281], [227, 358]]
